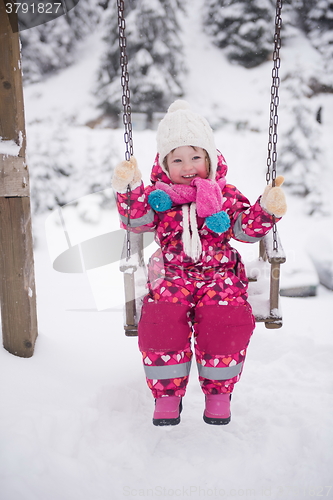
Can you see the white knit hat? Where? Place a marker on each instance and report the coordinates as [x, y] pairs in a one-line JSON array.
[[183, 127]]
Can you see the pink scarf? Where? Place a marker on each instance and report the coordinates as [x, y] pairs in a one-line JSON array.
[[207, 194], [205, 199]]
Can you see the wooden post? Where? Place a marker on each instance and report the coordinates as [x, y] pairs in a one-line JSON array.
[[17, 277]]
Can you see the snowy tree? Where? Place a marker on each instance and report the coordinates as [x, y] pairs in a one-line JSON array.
[[301, 157], [67, 163], [50, 168], [51, 46], [319, 25], [154, 53], [315, 19], [94, 177], [244, 28]]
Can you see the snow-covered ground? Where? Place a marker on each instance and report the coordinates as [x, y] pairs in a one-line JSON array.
[[75, 421], [76, 417]]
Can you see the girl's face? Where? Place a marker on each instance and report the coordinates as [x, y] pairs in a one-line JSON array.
[[186, 163]]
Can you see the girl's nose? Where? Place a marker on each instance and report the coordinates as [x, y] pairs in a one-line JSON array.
[[187, 165]]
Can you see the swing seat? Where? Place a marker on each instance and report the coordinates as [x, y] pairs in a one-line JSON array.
[[263, 274], [135, 278], [264, 282]]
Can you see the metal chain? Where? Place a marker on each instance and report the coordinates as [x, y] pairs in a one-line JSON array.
[[126, 110], [273, 120], [125, 81]]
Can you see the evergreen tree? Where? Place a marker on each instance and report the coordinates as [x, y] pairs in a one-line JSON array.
[[315, 19], [93, 175], [319, 26], [155, 60], [51, 46], [301, 157], [68, 163], [50, 168], [244, 28]]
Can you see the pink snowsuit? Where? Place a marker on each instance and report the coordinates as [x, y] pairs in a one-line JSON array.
[[207, 298]]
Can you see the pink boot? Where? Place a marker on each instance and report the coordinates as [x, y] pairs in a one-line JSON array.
[[217, 411], [167, 410]]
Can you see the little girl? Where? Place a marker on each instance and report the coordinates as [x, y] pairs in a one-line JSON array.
[[196, 280]]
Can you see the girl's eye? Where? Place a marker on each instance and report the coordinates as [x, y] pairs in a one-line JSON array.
[[177, 160], [196, 158]]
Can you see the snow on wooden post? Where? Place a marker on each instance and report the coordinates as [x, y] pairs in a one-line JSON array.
[[17, 277]]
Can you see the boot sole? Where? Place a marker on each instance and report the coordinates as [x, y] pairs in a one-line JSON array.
[[169, 421], [216, 421], [166, 421]]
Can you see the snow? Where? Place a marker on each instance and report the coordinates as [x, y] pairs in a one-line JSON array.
[[76, 422], [76, 417], [9, 147]]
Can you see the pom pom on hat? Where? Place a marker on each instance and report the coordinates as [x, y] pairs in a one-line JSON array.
[[182, 127], [179, 104]]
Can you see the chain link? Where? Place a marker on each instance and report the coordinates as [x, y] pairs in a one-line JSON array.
[[273, 119], [124, 80]]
